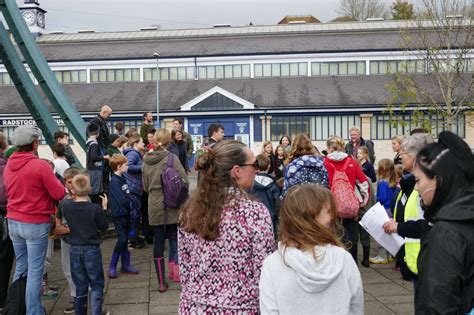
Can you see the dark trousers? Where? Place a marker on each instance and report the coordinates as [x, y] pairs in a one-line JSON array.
[[87, 271], [135, 214], [122, 228], [147, 231], [6, 261], [364, 236], [350, 230], [160, 233]]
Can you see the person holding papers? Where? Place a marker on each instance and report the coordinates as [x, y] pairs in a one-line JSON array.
[[444, 173], [407, 213]]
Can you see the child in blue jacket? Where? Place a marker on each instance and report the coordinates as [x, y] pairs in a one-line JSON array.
[[119, 195]]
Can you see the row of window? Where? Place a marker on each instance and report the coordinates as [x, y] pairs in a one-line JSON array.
[[320, 128], [292, 69]]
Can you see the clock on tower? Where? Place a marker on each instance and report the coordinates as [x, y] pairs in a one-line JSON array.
[[34, 17]]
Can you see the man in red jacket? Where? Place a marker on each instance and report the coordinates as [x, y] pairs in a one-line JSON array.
[[32, 189]]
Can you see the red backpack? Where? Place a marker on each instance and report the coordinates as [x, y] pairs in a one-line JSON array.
[[343, 192]]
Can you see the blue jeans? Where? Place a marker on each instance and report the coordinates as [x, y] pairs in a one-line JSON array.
[[30, 242], [87, 271]]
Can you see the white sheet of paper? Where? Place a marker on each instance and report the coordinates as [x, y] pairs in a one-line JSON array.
[[373, 221]]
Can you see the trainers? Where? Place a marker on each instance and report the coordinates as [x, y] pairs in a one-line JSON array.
[[378, 260], [70, 308], [47, 293]]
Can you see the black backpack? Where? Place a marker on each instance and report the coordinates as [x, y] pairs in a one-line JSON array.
[[15, 303]]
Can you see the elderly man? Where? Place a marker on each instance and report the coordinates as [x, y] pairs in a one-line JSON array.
[[356, 142], [32, 188], [101, 121]]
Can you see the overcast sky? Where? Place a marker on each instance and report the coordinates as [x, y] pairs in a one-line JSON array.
[[118, 15]]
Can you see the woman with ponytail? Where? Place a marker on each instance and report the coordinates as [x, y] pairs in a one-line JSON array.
[[223, 235], [444, 173]]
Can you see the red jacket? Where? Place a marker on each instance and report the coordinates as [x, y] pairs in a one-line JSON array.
[[31, 187], [336, 160]]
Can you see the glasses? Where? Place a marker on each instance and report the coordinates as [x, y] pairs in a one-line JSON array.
[[254, 165]]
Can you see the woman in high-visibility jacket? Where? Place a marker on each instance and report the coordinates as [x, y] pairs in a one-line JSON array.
[[444, 173], [408, 214]]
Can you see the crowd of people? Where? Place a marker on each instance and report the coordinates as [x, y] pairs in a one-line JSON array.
[[272, 233]]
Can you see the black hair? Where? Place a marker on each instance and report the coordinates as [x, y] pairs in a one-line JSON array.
[[214, 128], [285, 136], [179, 120], [451, 162], [59, 135], [146, 113], [151, 131]]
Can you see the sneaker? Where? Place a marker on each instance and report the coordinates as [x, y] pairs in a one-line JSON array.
[[378, 260], [390, 258], [47, 293], [70, 308]]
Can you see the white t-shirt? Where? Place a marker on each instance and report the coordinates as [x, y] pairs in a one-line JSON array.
[[60, 166]]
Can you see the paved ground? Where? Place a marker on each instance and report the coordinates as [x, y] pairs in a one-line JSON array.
[[384, 290]]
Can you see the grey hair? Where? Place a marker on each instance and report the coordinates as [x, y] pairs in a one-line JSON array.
[[414, 143]]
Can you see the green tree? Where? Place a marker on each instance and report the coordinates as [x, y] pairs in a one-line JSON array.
[[402, 10], [441, 82]]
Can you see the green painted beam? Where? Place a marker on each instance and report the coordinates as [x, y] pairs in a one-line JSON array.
[[27, 90], [26, 87], [41, 70]]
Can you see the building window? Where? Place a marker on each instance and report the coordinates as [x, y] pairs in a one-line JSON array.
[[338, 68], [293, 69], [115, 75], [71, 76], [319, 128], [169, 74], [383, 128], [289, 126], [5, 79], [395, 66], [224, 71], [327, 126]]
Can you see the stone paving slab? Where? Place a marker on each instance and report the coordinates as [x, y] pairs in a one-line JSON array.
[[384, 290]]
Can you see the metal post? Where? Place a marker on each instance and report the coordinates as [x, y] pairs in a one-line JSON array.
[[157, 56]]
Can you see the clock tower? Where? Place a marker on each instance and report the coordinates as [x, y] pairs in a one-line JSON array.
[[34, 17]]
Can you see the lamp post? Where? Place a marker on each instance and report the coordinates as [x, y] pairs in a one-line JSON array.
[[157, 56]]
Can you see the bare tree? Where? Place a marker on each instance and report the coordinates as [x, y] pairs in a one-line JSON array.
[[360, 10], [442, 44]]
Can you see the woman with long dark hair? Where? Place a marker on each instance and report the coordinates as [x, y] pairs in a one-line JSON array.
[[444, 173], [224, 235]]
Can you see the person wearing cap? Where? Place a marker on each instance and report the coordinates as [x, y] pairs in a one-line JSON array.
[[32, 188]]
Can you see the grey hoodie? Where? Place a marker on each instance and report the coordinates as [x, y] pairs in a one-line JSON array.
[[301, 284]]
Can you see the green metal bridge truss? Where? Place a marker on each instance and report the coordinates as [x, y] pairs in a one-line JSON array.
[[53, 91]]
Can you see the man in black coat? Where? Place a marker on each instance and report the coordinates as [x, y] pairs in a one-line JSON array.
[[101, 121]]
